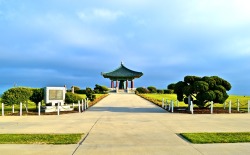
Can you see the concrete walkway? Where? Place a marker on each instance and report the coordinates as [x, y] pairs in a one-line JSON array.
[[126, 124]]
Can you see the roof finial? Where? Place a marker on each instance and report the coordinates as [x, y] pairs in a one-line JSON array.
[[121, 63]]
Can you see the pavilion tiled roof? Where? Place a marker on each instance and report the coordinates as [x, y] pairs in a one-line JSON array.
[[122, 72]]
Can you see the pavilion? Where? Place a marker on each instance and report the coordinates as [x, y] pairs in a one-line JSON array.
[[122, 75]]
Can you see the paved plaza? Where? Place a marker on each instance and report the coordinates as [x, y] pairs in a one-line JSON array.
[[126, 124]]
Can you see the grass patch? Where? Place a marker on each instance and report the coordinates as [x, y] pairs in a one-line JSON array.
[[40, 138], [157, 99], [204, 138]]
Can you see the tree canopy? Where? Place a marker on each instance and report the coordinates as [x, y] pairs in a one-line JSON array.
[[37, 96], [16, 95], [202, 89]]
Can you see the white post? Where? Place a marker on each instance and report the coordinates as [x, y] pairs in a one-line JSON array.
[[238, 105], [230, 106], [162, 103], [39, 108], [82, 105], [191, 107], [79, 107], [248, 109], [2, 109], [58, 109], [85, 106], [166, 105], [73, 105], [224, 105], [172, 106], [21, 109], [87, 103], [169, 107], [13, 108], [26, 106], [212, 107]]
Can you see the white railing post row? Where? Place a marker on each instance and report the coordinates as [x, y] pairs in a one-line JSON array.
[[21, 108], [172, 106], [58, 109], [2, 109], [39, 108], [230, 107], [191, 107], [13, 108], [82, 105], [162, 105], [238, 105], [79, 108], [212, 107], [248, 109]]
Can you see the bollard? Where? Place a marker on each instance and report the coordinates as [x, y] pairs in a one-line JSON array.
[[13, 108], [58, 110], [82, 106], [238, 105], [230, 107], [162, 105], [212, 107], [166, 104], [2, 109], [87, 103], [21, 109], [169, 106], [172, 106], [79, 108], [39, 108], [191, 107]]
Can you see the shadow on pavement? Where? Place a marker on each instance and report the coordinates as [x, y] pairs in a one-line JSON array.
[[128, 110]]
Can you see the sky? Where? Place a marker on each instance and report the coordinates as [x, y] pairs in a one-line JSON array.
[[70, 42]]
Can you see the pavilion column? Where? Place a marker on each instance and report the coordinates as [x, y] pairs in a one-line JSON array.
[[132, 84], [112, 84], [127, 84], [117, 84]]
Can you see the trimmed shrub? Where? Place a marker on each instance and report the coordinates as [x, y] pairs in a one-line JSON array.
[[152, 89], [160, 91], [142, 90], [168, 91], [72, 98]]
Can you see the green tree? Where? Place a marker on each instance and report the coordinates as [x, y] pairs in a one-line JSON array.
[[90, 94], [152, 89], [37, 96], [16, 95], [72, 98], [100, 89], [142, 90], [202, 90]]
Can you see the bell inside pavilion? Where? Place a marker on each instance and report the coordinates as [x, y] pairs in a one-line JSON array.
[[121, 77]]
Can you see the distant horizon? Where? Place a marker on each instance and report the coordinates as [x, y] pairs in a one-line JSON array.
[[56, 43]]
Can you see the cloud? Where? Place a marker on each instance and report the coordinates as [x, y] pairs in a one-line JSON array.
[[100, 14]]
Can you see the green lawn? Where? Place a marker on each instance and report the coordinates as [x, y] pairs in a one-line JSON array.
[[203, 138], [40, 138], [158, 98]]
